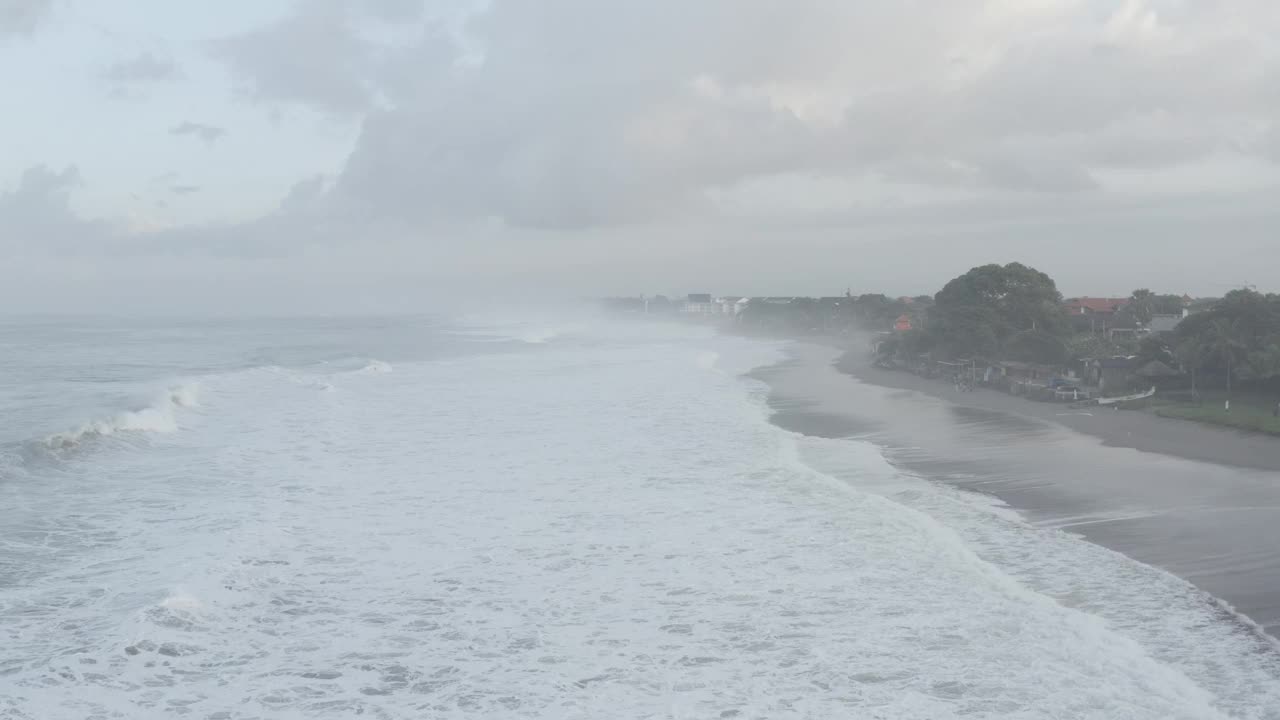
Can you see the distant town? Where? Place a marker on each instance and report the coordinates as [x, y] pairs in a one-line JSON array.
[[1006, 327]]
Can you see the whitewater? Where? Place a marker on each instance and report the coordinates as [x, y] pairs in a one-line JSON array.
[[414, 518]]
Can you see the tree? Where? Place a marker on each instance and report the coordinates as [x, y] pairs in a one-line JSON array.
[[1089, 345], [876, 311], [1190, 354], [1167, 305], [1153, 347], [1036, 346], [1237, 334], [1265, 362], [1224, 343], [976, 313], [1142, 304], [966, 331]]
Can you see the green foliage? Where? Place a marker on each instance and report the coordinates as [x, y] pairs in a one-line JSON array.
[[1156, 348], [917, 341], [976, 313], [877, 312], [1088, 345], [1143, 304], [1264, 362], [1244, 417], [1237, 337], [1036, 346], [1167, 305]]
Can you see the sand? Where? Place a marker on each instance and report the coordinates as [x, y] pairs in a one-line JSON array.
[[1198, 501]]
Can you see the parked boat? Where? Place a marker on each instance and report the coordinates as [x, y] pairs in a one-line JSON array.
[[1126, 398]]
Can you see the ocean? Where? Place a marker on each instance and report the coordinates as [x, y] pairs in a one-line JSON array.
[[492, 517]]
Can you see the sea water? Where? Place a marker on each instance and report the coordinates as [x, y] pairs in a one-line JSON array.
[[414, 518]]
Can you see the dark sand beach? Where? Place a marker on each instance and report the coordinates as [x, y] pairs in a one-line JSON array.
[[1200, 502]]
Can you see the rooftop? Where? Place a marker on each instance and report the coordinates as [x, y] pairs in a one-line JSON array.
[[1098, 305]]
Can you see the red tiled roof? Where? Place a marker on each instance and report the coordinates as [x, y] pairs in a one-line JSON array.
[[1103, 305]]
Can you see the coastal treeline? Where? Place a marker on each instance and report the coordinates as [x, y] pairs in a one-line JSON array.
[[1015, 312]]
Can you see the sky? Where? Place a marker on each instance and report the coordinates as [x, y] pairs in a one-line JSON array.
[[397, 155]]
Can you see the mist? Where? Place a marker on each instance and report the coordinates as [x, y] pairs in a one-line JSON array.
[[407, 154]]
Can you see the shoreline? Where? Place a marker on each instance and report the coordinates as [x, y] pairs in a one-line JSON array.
[[1137, 430], [1207, 511]]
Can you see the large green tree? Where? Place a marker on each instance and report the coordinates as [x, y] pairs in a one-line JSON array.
[[976, 313], [1239, 336], [1036, 346]]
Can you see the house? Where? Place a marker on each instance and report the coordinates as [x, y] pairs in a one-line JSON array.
[[1123, 325], [902, 324], [1165, 324], [729, 304], [1111, 373], [700, 304], [1092, 314], [1020, 378], [1095, 306]]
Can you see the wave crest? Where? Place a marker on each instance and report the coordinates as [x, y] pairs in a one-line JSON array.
[[158, 417], [376, 367]]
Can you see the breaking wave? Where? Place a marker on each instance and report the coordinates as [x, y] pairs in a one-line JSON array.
[[376, 367], [161, 416]]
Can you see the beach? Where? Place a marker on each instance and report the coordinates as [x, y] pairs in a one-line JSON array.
[[1115, 427], [1199, 502]]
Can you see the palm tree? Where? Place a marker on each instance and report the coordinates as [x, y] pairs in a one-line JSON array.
[[1224, 342], [1190, 354]]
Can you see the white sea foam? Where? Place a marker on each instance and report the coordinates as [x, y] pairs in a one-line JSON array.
[[607, 532], [161, 416], [376, 367]]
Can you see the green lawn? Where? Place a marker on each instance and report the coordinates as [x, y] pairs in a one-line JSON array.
[[1254, 414]]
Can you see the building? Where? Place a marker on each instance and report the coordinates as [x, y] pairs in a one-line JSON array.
[[1165, 324], [903, 323], [1100, 307], [1110, 374], [1095, 315], [700, 304], [729, 304]]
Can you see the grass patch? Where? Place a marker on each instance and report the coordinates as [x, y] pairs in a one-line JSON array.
[[1242, 416]]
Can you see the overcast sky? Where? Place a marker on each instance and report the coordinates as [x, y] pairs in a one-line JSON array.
[[371, 155]]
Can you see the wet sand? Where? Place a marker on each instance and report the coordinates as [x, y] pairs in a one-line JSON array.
[[1115, 427], [1199, 502]]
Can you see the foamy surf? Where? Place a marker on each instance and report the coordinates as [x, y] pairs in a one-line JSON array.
[[161, 416], [375, 367], [608, 530]]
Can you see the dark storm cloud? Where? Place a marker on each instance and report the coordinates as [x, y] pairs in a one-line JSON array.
[[208, 133]]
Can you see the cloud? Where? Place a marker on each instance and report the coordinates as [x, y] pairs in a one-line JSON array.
[[583, 114], [144, 68], [208, 133], [320, 55], [762, 146], [37, 213], [20, 17]]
